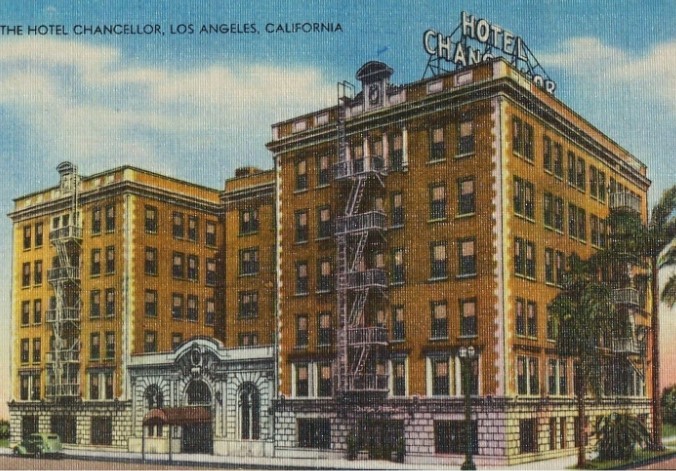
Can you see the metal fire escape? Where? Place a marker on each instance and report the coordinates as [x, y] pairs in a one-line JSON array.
[[630, 345], [360, 368], [63, 357]]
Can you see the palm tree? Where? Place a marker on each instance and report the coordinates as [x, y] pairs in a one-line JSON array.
[[649, 242], [584, 312]]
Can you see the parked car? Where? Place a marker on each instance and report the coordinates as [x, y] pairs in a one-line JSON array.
[[39, 444]]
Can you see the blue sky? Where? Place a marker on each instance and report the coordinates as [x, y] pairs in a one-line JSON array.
[[197, 106]]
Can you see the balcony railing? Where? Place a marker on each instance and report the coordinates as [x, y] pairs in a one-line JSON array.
[[372, 220], [70, 232], [627, 296], [67, 314], [63, 390], [367, 336], [625, 345], [65, 356], [372, 278], [625, 200], [63, 273], [368, 382], [373, 164]]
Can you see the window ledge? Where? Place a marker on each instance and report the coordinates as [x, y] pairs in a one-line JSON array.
[[323, 238], [442, 219], [436, 161], [466, 276], [396, 226], [435, 279], [300, 190], [468, 336], [432, 339], [465, 215], [465, 154]]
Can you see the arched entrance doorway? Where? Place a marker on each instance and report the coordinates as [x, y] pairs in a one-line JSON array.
[[197, 437]]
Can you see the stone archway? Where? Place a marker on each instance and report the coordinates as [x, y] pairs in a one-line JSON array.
[[198, 437]]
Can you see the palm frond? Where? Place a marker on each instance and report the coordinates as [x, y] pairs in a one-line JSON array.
[[668, 295]]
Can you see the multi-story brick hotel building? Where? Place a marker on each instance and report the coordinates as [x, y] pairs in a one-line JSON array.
[[395, 228]]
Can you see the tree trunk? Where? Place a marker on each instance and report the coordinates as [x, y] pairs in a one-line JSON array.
[[655, 353], [581, 422]]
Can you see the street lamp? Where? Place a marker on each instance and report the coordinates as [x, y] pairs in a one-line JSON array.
[[467, 355]]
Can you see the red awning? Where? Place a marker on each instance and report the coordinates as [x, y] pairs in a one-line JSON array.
[[178, 416]]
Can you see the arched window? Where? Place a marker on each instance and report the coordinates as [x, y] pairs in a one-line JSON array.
[[249, 408], [198, 394], [154, 397]]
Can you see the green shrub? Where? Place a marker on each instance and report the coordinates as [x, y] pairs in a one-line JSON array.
[[352, 446], [4, 429], [618, 436], [668, 403]]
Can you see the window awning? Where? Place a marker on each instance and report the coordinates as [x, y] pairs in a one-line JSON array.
[[178, 416]]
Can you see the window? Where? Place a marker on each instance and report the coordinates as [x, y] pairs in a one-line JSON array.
[[193, 267], [110, 218], [37, 311], [440, 378], [439, 320], [581, 175], [325, 332], [26, 275], [520, 317], [151, 220], [301, 175], [110, 259], [96, 262], [302, 286], [549, 265], [324, 386], [96, 220], [572, 177], [25, 312], [547, 161], [211, 272], [532, 319], [176, 340], [193, 228], [25, 350], [397, 215], [248, 261], [95, 304], [301, 331], [437, 146], [323, 170], [302, 380], [468, 319], [517, 135], [27, 237], [601, 184], [110, 344], [560, 267], [528, 440], [527, 375], [324, 276], [581, 224], [324, 228], [595, 235], [314, 433], [398, 325], [396, 153], [558, 161], [466, 257], [210, 237], [95, 346], [247, 339], [248, 221], [248, 304], [178, 229], [398, 273], [449, 437], [102, 430], [37, 350], [548, 203], [150, 341], [466, 199], [399, 377], [94, 389], [301, 225], [192, 310], [530, 260], [437, 202], [151, 261], [524, 258], [438, 260], [524, 198], [593, 182], [177, 306], [466, 134], [558, 214], [210, 314], [38, 234], [110, 302], [151, 303], [178, 264]]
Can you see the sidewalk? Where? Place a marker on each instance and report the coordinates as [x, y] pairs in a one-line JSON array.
[[208, 461]]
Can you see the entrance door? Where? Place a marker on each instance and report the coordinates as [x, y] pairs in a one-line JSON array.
[[197, 438], [380, 436]]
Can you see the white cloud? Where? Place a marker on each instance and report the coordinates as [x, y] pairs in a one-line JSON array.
[[85, 103]]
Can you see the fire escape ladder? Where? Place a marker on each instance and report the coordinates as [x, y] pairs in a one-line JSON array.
[[359, 251], [356, 314], [355, 196]]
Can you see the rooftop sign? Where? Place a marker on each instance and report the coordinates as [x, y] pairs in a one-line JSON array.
[[487, 41]]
